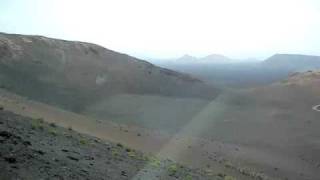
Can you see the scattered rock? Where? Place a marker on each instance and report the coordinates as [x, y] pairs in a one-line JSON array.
[[5, 134], [14, 142], [120, 145], [123, 173], [84, 171], [64, 150], [27, 143], [73, 158], [2, 139], [10, 160], [53, 124], [89, 158], [14, 167], [40, 152]]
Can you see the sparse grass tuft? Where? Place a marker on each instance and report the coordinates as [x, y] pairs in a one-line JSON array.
[[229, 178], [120, 145], [172, 169], [188, 177], [53, 132], [37, 124], [41, 120], [132, 154], [208, 172], [115, 152], [226, 177], [251, 173], [53, 124], [34, 126], [221, 175], [83, 142], [154, 161], [228, 164]]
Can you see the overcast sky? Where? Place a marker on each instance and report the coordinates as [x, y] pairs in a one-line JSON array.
[[171, 28]]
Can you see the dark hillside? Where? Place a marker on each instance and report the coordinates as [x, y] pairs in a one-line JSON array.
[[75, 74]]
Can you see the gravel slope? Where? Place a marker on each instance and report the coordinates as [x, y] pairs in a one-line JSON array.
[[33, 149]]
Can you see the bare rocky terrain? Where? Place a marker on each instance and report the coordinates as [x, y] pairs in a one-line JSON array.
[[34, 149]]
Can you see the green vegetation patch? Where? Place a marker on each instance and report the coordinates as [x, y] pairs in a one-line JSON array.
[[154, 161], [83, 142], [37, 124], [53, 132], [188, 177], [115, 152], [172, 169], [229, 178]]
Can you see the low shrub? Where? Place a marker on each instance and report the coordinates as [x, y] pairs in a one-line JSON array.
[[172, 169]]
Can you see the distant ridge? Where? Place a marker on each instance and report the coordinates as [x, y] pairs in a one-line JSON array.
[[212, 58], [293, 62]]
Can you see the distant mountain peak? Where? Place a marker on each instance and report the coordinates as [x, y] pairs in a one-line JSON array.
[[187, 57], [216, 57]]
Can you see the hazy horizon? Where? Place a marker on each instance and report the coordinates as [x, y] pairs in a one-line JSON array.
[[170, 29]]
